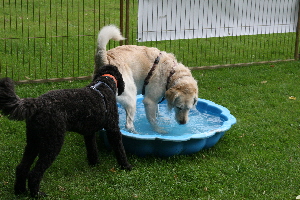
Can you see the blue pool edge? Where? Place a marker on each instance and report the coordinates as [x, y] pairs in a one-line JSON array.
[[231, 120], [166, 146]]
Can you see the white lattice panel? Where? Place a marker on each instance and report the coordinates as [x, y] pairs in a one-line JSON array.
[[186, 19]]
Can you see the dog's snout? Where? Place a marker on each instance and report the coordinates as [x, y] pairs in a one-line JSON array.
[[181, 122]]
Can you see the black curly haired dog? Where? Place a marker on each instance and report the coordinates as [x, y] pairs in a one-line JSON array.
[[48, 117]]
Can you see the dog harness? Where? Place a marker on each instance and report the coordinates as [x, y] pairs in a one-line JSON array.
[[111, 76], [168, 82], [94, 87], [146, 82]]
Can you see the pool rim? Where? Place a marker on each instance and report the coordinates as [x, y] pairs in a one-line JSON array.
[[223, 112]]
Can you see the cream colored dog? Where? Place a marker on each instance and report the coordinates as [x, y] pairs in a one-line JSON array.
[[134, 62]]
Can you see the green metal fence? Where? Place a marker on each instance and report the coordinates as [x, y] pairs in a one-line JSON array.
[[56, 39]]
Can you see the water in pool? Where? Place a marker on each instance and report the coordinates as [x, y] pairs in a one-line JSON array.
[[199, 121]]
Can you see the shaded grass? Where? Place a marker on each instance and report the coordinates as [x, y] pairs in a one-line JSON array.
[[258, 158]]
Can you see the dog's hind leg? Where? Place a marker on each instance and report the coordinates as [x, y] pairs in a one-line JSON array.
[[114, 137], [91, 148], [50, 147], [130, 113], [30, 153]]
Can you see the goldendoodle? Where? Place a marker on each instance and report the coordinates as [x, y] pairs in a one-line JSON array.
[[151, 72]]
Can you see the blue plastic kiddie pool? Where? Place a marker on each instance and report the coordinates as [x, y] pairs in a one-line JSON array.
[[207, 124]]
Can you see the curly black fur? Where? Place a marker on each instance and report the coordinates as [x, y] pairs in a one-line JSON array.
[[49, 116]]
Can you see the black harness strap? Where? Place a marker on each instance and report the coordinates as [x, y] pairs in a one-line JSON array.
[[168, 82], [146, 81], [94, 87]]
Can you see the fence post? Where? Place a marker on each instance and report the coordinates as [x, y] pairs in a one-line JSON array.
[[121, 18], [127, 23], [296, 55], [126, 32]]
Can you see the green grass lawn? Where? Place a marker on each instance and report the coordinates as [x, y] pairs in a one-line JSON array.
[[258, 158]]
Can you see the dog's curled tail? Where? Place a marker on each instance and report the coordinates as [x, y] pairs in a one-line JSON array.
[[105, 34], [10, 104], [110, 32]]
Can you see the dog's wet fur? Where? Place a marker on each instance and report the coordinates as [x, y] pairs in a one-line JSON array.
[[134, 62]]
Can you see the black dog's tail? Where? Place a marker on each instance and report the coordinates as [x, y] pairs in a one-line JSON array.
[[10, 103]]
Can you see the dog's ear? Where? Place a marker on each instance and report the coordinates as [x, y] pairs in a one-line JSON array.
[[121, 83], [100, 71], [171, 94], [113, 70]]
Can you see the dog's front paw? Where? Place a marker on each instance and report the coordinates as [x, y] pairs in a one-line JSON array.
[[93, 163], [159, 130], [20, 189], [38, 195], [21, 192], [127, 167], [132, 130]]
